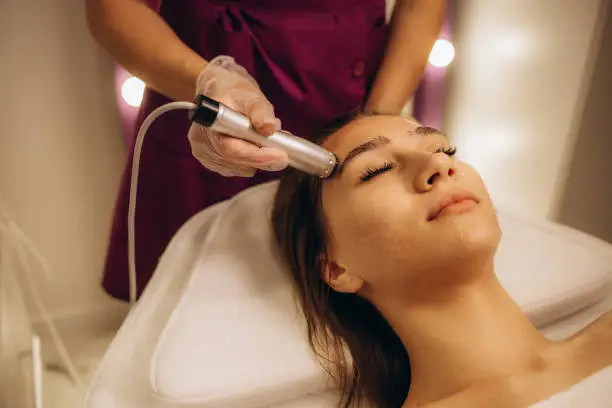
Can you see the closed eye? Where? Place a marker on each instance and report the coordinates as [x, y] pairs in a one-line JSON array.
[[370, 173], [450, 151]]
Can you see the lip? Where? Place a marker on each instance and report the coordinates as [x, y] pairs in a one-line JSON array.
[[453, 202]]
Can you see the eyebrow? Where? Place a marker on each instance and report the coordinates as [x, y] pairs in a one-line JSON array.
[[426, 130], [371, 144], [382, 141]]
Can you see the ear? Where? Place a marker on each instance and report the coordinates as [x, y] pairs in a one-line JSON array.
[[340, 280]]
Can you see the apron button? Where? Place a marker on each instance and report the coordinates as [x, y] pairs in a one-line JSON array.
[[359, 69]]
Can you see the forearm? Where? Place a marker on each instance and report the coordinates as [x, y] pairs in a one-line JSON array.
[[415, 25], [141, 41]]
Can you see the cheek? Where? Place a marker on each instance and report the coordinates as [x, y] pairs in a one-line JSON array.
[[469, 178], [370, 228]]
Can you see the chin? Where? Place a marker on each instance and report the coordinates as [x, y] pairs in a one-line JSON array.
[[473, 232], [479, 237]]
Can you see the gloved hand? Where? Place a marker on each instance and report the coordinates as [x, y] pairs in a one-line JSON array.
[[229, 83]]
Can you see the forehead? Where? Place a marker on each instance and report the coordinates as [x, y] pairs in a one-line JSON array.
[[365, 128]]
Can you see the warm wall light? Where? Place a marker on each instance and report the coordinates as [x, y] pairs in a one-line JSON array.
[[132, 91], [442, 53]]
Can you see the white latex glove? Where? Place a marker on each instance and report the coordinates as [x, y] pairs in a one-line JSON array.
[[229, 83]]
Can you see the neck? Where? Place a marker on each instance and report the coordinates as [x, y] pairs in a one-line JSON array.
[[471, 333]]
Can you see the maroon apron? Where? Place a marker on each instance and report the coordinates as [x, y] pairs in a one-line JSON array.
[[313, 59]]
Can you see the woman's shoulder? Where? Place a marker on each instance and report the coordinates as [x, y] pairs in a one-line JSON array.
[[598, 332], [592, 346]]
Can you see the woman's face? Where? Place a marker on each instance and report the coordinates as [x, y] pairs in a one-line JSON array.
[[402, 212]]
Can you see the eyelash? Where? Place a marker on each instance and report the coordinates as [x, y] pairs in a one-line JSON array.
[[450, 151], [372, 172], [383, 168]]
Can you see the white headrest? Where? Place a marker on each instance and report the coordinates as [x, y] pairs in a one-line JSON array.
[[551, 270], [236, 337]]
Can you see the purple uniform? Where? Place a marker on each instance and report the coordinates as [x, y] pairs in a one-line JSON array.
[[313, 59]]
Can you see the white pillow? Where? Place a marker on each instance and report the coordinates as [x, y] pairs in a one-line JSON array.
[[237, 338], [551, 270]]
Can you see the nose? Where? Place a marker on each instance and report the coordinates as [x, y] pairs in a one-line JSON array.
[[436, 168]]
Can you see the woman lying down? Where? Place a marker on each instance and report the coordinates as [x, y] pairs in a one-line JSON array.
[[393, 260]]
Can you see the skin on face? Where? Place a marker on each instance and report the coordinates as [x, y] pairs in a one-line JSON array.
[[379, 208]]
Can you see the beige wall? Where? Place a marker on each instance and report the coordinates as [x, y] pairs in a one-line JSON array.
[[61, 151], [516, 92], [586, 203]]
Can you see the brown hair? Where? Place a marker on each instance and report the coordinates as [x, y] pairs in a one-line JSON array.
[[352, 340]]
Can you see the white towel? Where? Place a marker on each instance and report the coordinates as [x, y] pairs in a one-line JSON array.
[[594, 391]]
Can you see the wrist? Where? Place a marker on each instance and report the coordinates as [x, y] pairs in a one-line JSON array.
[[383, 108], [385, 99], [192, 67]]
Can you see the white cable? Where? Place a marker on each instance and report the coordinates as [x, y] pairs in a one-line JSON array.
[[13, 239], [134, 184]]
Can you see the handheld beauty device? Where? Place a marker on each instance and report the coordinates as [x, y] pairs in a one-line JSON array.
[[303, 155]]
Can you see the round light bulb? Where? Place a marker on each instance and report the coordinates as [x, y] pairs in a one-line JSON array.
[[132, 91], [442, 53]]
